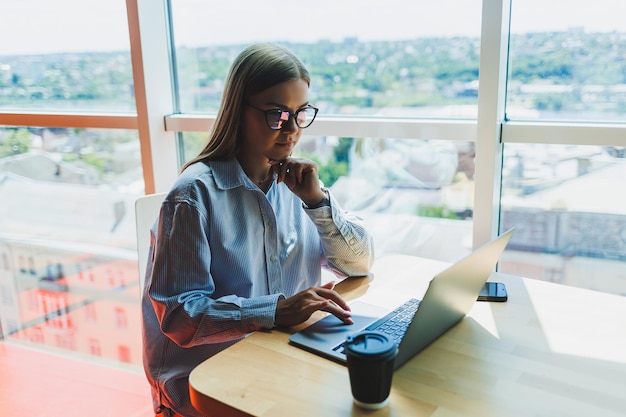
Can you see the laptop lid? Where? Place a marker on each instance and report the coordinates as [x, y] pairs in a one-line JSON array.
[[449, 297]]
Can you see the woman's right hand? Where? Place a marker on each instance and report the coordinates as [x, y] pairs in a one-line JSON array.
[[298, 308]]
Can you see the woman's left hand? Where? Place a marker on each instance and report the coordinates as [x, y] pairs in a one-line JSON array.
[[301, 176]]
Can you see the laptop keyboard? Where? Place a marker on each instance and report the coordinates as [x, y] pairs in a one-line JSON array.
[[393, 324]]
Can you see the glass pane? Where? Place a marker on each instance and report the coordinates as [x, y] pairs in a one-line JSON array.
[[69, 273], [569, 66], [192, 144], [65, 55], [568, 210], [392, 58], [415, 195]]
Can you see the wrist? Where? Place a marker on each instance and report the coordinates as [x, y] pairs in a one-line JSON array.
[[320, 201]]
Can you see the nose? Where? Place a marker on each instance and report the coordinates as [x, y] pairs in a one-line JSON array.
[[290, 125]]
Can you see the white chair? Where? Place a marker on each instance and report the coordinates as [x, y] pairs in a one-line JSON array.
[[146, 211]]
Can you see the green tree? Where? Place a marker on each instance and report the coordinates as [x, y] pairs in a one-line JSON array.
[[17, 142], [100, 162], [337, 166], [332, 171]]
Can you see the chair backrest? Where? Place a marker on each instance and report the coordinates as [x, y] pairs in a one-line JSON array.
[[146, 211]]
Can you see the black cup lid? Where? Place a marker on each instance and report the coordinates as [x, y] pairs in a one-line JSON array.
[[370, 343]]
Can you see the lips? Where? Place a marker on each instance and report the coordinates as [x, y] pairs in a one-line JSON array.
[[289, 144]]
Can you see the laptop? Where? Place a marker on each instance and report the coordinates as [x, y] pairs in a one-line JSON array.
[[449, 297]]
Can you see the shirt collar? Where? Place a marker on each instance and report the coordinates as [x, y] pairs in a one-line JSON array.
[[228, 174]]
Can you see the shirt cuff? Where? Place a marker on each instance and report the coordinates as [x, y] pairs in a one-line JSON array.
[[261, 310], [324, 203]]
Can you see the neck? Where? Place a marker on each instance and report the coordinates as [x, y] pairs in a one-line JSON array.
[[262, 180], [260, 172]]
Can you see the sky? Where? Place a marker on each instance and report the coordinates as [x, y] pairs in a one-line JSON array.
[[42, 26]]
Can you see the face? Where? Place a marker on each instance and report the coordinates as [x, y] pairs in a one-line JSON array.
[[259, 142]]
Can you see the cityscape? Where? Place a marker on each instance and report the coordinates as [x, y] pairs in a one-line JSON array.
[[552, 75]]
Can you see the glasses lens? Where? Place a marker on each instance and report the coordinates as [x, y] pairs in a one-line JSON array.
[[276, 118], [305, 116]]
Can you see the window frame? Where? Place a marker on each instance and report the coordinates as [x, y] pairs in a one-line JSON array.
[[159, 125]]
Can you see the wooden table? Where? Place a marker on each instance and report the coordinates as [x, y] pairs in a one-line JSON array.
[[551, 350]]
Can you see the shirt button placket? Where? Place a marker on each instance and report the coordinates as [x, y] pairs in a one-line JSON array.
[[275, 275], [274, 278]]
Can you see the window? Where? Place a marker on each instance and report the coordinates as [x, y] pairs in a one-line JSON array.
[[66, 55], [568, 67], [398, 86], [559, 180], [90, 311], [547, 80], [124, 354], [121, 321], [385, 62], [68, 208], [70, 166], [37, 335], [411, 193], [370, 58], [569, 219], [95, 348]]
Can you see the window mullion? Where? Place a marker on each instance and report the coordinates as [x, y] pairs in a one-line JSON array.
[[491, 99], [152, 73]]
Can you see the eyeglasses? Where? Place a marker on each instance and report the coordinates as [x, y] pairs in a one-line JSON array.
[[277, 118]]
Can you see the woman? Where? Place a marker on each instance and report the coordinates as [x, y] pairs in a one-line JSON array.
[[243, 233]]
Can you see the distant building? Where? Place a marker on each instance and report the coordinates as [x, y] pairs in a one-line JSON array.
[[43, 166], [69, 279]]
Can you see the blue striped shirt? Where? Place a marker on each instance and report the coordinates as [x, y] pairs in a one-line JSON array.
[[222, 254]]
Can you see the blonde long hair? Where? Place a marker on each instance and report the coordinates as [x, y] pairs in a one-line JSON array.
[[256, 68]]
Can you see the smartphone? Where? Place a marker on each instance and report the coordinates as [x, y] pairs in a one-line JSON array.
[[493, 291]]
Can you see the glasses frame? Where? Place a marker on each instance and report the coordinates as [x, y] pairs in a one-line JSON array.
[[293, 115]]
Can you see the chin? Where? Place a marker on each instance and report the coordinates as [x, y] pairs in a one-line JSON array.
[[279, 156]]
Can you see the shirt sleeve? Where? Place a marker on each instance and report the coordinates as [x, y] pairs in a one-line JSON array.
[[181, 287], [346, 244]]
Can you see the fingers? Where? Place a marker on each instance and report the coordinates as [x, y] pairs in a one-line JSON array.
[[339, 312], [334, 303], [327, 291], [290, 174], [292, 171], [298, 308], [329, 285]]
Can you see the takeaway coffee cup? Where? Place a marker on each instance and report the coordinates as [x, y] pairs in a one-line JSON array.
[[370, 357]]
